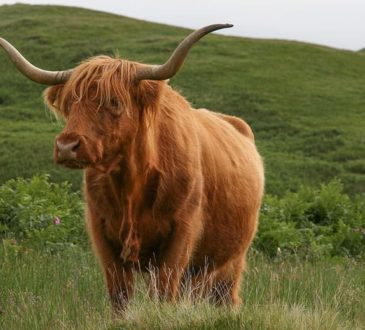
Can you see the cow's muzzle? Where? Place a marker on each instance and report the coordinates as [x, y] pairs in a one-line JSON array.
[[67, 150], [75, 151]]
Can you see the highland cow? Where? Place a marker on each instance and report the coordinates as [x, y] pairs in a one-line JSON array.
[[167, 186]]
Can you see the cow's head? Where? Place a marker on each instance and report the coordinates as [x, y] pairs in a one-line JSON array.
[[103, 106], [102, 100]]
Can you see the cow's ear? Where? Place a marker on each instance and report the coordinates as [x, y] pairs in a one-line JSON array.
[[148, 93], [52, 97]]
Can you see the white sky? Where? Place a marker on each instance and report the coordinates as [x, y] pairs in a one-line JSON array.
[[335, 23]]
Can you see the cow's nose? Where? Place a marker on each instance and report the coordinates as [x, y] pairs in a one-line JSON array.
[[67, 150]]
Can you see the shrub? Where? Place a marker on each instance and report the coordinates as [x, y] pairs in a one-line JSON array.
[[309, 223], [313, 222], [40, 214]]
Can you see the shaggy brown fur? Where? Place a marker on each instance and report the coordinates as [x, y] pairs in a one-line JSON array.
[[166, 185]]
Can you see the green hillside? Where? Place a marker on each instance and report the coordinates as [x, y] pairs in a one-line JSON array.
[[305, 103]]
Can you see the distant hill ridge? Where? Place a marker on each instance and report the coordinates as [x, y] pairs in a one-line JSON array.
[[306, 103]]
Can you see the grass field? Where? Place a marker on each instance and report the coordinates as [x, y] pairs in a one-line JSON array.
[[50, 292], [306, 103]]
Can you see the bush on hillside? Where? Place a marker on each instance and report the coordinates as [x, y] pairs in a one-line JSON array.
[[309, 223], [313, 222], [40, 214]]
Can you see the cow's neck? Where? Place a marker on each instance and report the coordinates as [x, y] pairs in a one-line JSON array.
[[130, 169]]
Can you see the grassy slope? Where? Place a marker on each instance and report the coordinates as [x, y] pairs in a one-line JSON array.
[[306, 103]]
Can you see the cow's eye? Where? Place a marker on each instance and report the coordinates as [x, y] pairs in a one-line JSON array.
[[115, 107], [114, 103]]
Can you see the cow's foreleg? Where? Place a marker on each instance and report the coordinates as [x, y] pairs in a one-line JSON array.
[[118, 275], [176, 256], [119, 280]]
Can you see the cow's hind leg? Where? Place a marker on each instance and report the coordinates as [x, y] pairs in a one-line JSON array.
[[197, 282], [226, 283]]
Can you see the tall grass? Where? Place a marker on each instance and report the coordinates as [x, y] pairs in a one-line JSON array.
[[66, 291]]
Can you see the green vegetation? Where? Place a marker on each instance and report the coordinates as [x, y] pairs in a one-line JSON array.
[[305, 103], [40, 214], [65, 291], [296, 279], [313, 224]]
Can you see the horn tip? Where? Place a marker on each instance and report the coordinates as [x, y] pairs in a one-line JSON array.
[[221, 26]]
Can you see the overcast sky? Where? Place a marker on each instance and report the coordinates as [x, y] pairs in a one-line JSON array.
[[335, 23]]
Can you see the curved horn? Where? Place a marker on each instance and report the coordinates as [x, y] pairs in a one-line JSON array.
[[32, 72], [176, 60]]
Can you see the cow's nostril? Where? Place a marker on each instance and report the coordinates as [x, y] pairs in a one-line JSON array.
[[76, 146], [67, 151]]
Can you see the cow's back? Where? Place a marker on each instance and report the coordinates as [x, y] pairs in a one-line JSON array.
[[238, 124]]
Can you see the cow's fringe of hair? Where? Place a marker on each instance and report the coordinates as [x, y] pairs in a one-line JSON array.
[[105, 77]]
